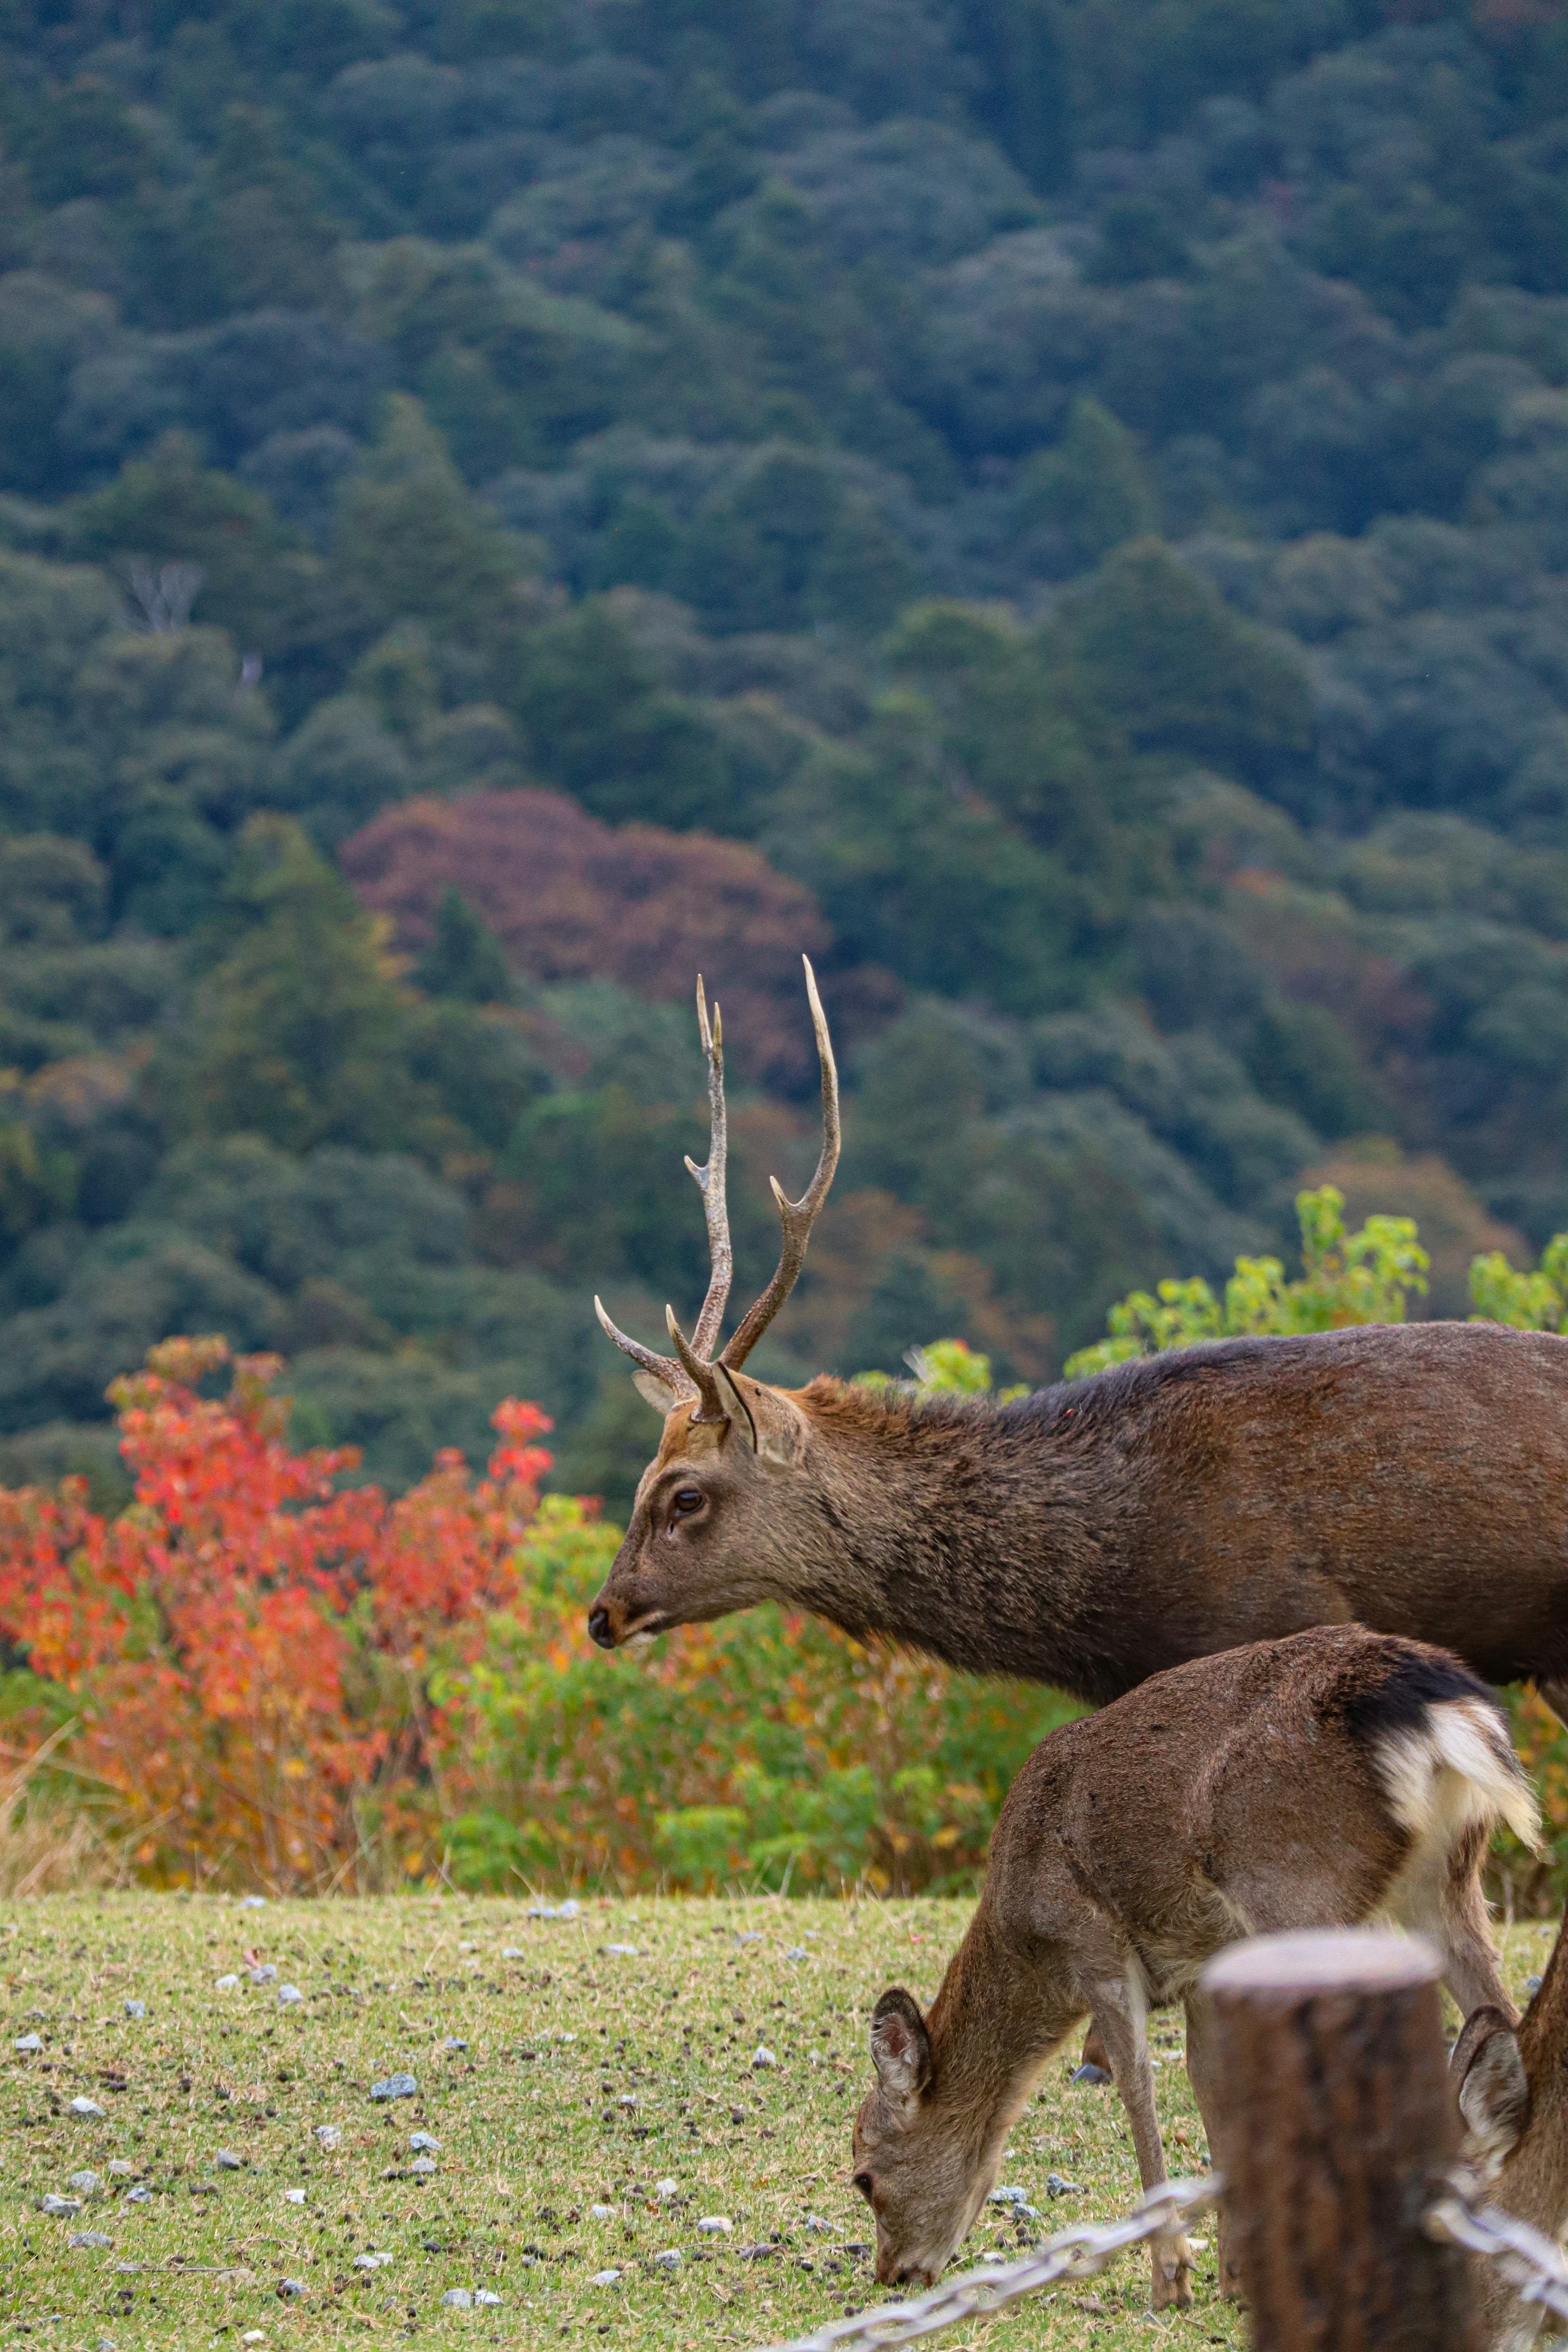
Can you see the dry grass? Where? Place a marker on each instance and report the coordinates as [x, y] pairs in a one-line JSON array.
[[558, 2075], [50, 1843]]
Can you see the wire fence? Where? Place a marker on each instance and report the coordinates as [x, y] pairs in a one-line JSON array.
[[1075, 2254]]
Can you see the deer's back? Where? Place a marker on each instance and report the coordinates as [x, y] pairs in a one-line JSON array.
[[1410, 1477], [1158, 1813]]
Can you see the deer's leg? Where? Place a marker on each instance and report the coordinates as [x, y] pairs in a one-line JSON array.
[[1554, 1691], [1118, 2016], [1094, 2051], [1462, 1934], [1204, 2075]]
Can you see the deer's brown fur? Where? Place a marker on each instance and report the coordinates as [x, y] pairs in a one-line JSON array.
[[1512, 2087], [1315, 1781], [1411, 1478]]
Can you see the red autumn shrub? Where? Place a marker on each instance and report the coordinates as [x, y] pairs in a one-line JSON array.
[[245, 1646], [571, 898]]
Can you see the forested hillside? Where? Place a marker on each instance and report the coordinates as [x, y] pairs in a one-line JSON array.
[[1054, 507]]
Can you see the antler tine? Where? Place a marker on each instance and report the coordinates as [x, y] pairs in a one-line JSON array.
[[797, 1217], [700, 1375], [711, 1183], [664, 1367]]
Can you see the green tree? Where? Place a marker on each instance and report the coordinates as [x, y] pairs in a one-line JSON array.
[[600, 723], [168, 507], [915, 877], [464, 960], [1362, 1278], [1176, 667], [248, 574], [1534, 1300], [298, 1032], [1032, 742], [1092, 488], [413, 543]]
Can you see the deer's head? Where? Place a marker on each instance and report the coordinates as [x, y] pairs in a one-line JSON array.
[[1512, 2083], [713, 1507], [925, 2161]]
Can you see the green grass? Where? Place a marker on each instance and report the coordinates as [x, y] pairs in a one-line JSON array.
[[529, 2116]]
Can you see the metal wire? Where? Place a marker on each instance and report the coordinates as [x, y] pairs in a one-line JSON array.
[[1532, 2265], [1073, 2255]]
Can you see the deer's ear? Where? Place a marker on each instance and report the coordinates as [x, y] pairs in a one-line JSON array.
[[735, 1405], [655, 1392], [762, 1422], [1492, 2086], [901, 2046]]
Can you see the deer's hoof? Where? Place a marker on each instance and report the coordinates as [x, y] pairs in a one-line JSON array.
[[1172, 2269]]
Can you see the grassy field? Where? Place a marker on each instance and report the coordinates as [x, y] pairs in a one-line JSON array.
[[590, 2083]]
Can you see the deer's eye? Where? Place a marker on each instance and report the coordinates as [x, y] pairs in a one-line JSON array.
[[862, 2181], [687, 1500]]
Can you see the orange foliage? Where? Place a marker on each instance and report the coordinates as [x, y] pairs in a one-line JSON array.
[[243, 1644], [571, 898]]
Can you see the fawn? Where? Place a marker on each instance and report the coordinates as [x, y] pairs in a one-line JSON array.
[[1414, 1478], [1311, 1783]]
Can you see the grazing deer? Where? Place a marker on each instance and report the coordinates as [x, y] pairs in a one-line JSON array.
[[1311, 1783], [1512, 2085], [1409, 1477]]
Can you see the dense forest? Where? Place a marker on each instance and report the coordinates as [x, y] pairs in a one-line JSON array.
[[1054, 507]]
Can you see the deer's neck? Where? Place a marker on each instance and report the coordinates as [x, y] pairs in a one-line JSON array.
[[967, 1539], [993, 2025]]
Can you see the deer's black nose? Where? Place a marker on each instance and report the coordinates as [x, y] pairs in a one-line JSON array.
[[599, 1627]]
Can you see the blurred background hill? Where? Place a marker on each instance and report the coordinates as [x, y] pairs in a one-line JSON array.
[[1054, 507]]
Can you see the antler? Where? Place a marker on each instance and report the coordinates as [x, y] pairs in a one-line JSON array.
[[797, 1217], [709, 1181], [688, 1374]]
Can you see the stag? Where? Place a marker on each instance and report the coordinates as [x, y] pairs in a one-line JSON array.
[[1412, 1478], [1313, 1783]]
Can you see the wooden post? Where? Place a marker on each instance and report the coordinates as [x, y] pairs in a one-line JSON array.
[[1333, 2115]]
